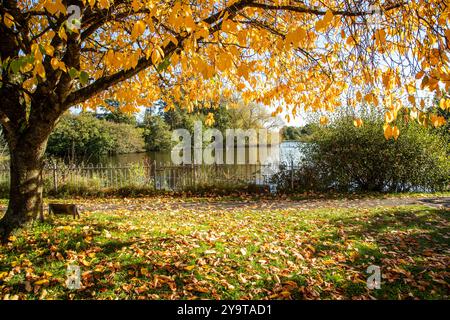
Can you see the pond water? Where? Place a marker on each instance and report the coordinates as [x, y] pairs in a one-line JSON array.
[[289, 151]]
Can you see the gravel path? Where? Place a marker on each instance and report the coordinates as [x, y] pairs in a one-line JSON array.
[[174, 204], [265, 204]]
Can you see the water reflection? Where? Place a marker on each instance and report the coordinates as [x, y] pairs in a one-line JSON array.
[[289, 152]]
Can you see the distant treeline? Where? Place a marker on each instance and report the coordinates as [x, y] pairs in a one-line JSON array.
[[110, 131]]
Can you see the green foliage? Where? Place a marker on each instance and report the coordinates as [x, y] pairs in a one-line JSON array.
[[113, 113], [157, 133], [298, 133], [179, 118], [125, 138], [86, 135], [345, 158], [445, 129], [4, 152]]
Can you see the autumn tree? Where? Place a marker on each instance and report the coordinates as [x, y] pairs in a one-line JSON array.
[[293, 54]]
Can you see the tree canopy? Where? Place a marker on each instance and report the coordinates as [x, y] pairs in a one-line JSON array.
[[288, 53]]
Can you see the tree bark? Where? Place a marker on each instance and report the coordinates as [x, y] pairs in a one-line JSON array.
[[26, 185]]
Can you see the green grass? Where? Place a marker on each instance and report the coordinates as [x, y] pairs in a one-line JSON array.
[[232, 254]]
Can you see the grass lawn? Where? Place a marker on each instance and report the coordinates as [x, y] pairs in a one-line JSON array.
[[241, 253]]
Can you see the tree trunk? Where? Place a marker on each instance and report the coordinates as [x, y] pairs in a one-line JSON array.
[[26, 185]]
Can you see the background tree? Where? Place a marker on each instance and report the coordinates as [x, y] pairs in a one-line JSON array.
[[290, 52], [157, 134], [84, 136], [178, 117], [112, 112], [291, 133]]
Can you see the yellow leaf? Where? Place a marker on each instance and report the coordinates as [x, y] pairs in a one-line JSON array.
[[395, 132], [103, 4], [27, 67], [157, 55], [229, 26], [85, 263], [110, 58], [296, 36], [323, 120], [224, 61], [39, 69], [419, 75], [54, 7], [136, 5], [357, 123], [98, 269], [444, 104], [328, 17], [8, 20], [189, 268], [328, 262], [189, 23], [202, 33], [380, 37], [437, 121], [55, 63], [47, 274], [322, 24], [36, 52], [62, 33], [49, 49], [387, 131], [411, 89], [389, 116], [144, 271], [242, 37], [319, 26], [209, 119], [138, 29], [41, 282]]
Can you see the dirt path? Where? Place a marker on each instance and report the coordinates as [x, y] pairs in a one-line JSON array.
[[174, 204], [266, 204]]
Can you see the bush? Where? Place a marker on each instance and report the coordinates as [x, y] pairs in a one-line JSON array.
[[86, 135], [157, 133], [125, 138], [344, 158]]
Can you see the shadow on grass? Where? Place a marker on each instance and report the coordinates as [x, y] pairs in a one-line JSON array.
[[119, 268], [443, 201], [410, 246]]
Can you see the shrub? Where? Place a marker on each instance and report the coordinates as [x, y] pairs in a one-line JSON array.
[[156, 133], [342, 157], [125, 138], [86, 135]]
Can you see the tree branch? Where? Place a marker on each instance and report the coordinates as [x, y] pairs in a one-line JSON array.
[[304, 9]]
